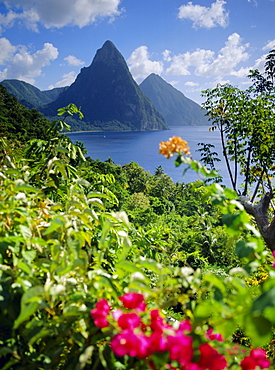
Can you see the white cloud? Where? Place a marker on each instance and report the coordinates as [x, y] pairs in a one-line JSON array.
[[228, 58], [7, 50], [191, 83], [270, 45], [25, 66], [167, 55], [205, 62], [59, 13], [73, 61], [244, 71], [141, 66], [180, 63], [173, 83], [29, 18], [67, 80], [210, 17]]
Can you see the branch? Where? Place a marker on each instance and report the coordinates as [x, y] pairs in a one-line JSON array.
[[247, 170], [226, 159]]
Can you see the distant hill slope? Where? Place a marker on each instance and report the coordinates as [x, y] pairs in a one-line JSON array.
[[107, 93], [29, 95], [18, 122], [175, 107]]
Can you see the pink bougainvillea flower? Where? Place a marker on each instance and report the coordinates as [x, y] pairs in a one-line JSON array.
[[213, 336], [129, 321], [158, 342], [100, 313], [131, 344], [256, 358], [103, 305], [157, 322], [133, 301], [273, 263], [185, 326], [117, 313], [180, 347], [143, 350], [211, 359], [122, 342]]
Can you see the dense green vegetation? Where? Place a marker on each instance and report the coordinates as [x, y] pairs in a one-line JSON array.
[[246, 121], [74, 231], [19, 123]]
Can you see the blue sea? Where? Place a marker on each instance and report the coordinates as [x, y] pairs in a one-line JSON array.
[[143, 147]]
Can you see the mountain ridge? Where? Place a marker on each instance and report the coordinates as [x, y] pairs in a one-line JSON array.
[[110, 98], [106, 91], [29, 95], [176, 108]]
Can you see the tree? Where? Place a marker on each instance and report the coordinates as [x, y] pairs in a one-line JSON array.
[[246, 121]]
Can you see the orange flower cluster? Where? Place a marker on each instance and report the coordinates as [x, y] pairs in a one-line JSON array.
[[174, 145]]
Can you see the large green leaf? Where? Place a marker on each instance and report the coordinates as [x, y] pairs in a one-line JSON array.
[[258, 328]]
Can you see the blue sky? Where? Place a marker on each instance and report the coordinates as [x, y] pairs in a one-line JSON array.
[[192, 45]]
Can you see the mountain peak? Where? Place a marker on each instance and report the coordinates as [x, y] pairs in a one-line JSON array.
[[108, 54], [107, 92]]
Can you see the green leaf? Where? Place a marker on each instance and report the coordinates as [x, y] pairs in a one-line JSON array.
[[25, 231], [57, 223], [31, 301], [24, 267], [29, 256], [151, 265], [244, 249], [205, 309], [259, 329], [128, 266], [26, 312], [265, 300]]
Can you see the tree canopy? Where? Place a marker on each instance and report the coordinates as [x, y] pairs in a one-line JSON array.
[[246, 121]]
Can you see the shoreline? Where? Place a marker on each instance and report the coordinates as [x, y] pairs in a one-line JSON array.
[[80, 132]]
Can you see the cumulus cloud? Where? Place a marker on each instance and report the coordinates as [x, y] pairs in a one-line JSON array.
[[180, 63], [73, 61], [206, 17], [29, 18], [141, 66], [167, 55], [22, 65], [207, 64], [259, 64], [270, 45], [59, 13], [7, 50], [67, 80]]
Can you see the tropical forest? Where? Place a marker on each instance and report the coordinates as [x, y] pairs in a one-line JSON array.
[[104, 266]]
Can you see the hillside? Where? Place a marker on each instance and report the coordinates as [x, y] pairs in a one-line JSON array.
[[175, 107], [18, 122], [29, 95]]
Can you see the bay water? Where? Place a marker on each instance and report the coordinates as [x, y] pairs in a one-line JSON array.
[[142, 148]]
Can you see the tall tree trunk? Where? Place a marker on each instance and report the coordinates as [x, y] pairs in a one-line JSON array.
[[260, 213]]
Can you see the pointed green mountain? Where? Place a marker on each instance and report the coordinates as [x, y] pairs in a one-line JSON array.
[[107, 93], [175, 107]]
